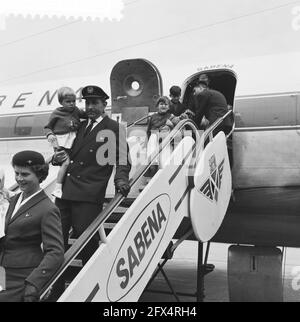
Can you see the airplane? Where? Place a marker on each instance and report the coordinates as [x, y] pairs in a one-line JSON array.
[[265, 98]]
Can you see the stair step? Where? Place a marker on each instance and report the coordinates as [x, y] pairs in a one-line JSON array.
[[71, 241], [120, 210], [127, 202], [76, 263], [109, 225]]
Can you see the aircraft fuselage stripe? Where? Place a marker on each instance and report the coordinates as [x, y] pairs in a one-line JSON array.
[[267, 128], [182, 198], [23, 138]]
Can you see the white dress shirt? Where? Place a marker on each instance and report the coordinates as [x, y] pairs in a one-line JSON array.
[[97, 121]]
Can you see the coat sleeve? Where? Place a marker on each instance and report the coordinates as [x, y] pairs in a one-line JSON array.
[[123, 160], [82, 114], [48, 129], [201, 102], [53, 248], [149, 127]]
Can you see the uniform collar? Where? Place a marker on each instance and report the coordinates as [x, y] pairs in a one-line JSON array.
[[97, 121]]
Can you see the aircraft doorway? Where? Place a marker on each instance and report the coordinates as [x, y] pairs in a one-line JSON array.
[[223, 81], [220, 80], [135, 86]]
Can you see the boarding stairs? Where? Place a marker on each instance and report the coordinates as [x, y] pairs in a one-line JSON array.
[[137, 232]]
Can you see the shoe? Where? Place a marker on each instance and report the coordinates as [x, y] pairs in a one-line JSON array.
[[57, 193]]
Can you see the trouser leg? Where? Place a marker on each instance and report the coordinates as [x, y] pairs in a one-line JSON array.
[[83, 214], [65, 211], [66, 218]]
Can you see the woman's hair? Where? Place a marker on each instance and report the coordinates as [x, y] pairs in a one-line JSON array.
[[163, 99], [63, 92], [41, 171]]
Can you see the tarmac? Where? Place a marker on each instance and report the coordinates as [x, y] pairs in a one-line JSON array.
[[182, 272]]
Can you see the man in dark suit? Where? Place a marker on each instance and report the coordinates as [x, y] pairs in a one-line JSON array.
[[209, 103], [100, 144]]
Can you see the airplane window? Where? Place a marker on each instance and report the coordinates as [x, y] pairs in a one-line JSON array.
[[5, 127], [24, 125], [40, 120], [135, 85], [266, 111]]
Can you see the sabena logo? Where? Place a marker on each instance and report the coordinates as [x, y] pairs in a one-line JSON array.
[[76, 9], [138, 248]]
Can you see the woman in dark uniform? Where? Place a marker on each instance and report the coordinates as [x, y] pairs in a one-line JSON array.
[[32, 248]]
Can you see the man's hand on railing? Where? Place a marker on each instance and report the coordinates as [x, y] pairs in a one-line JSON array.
[[30, 293], [204, 124], [123, 187], [187, 114]]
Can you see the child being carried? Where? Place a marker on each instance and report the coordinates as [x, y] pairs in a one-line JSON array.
[[61, 130]]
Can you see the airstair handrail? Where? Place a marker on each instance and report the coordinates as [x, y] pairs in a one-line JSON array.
[[138, 121], [86, 236], [218, 122]]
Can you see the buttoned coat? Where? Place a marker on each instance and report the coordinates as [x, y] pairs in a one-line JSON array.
[[92, 159], [33, 239]]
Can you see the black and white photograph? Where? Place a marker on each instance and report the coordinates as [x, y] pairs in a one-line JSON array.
[[149, 153]]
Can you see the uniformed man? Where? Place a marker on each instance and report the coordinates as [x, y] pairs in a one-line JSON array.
[[209, 103], [90, 168]]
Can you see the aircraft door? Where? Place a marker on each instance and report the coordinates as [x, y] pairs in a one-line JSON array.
[[135, 86]]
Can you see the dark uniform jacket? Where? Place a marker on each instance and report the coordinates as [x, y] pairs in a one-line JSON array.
[[177, 108], [211, 104], [86, 179], [36, 222]]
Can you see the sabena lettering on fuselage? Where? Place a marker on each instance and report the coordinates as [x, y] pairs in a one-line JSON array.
[[46, 98]]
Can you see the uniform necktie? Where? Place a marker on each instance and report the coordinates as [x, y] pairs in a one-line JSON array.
[[89, 128]]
